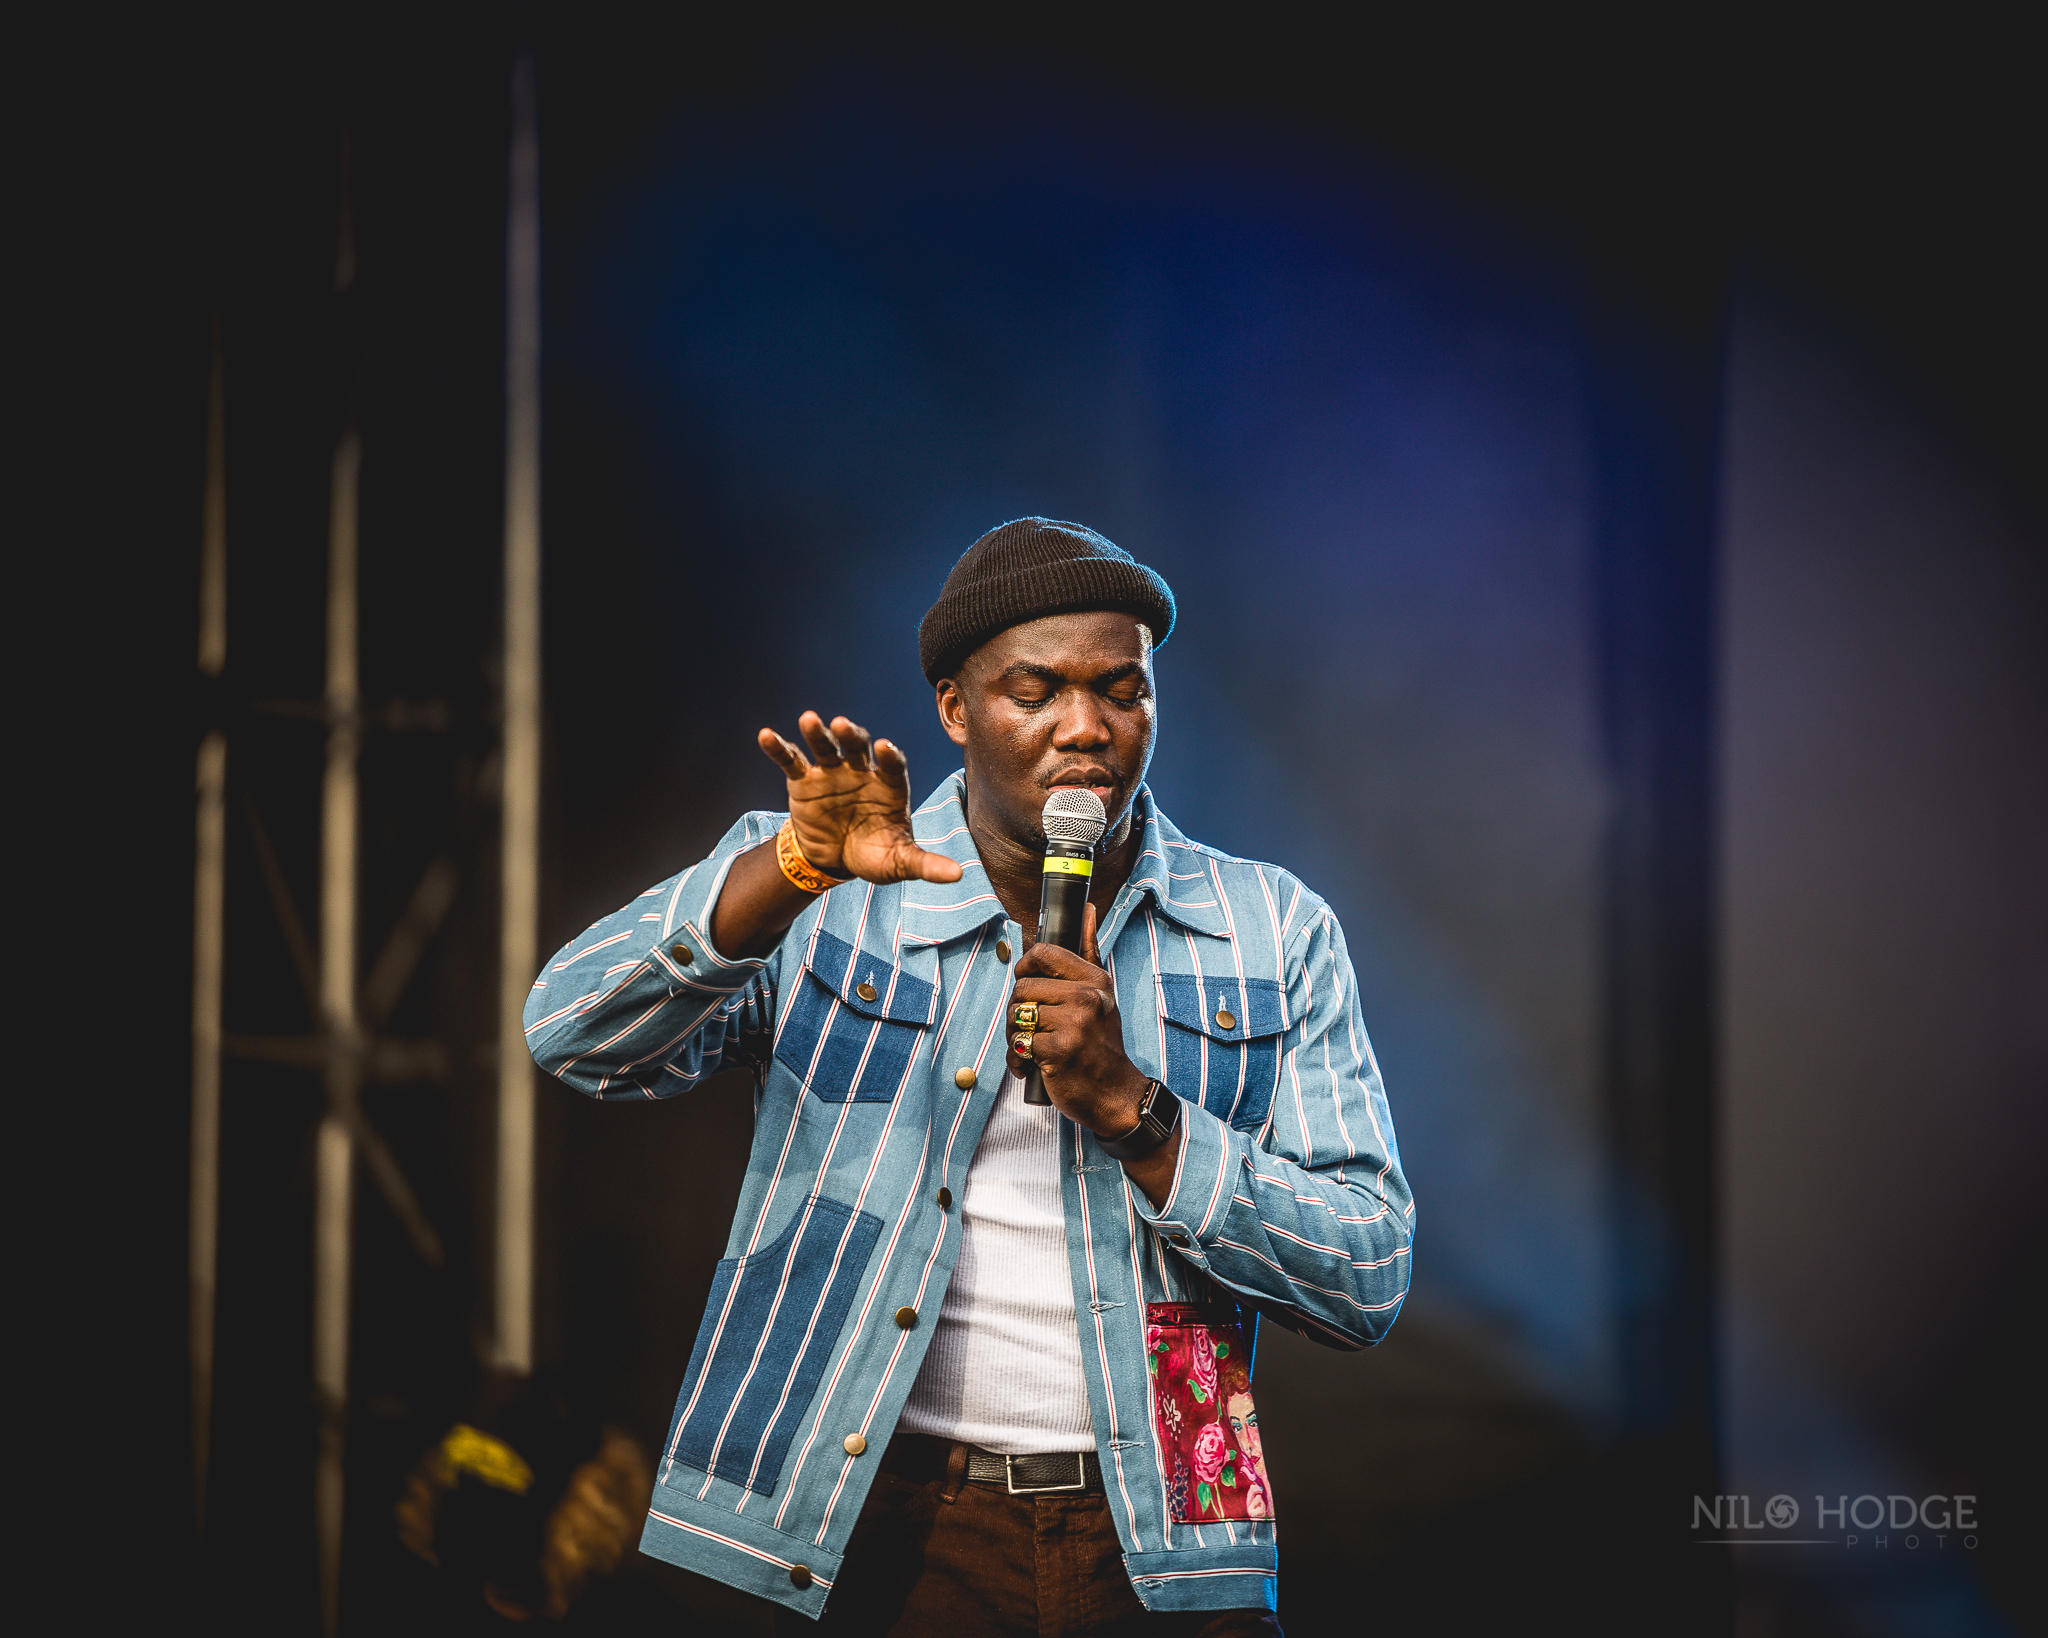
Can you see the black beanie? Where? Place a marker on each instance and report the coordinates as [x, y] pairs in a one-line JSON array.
[[1026, 570]]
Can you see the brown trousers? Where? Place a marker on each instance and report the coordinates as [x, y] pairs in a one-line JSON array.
[[1046, 1566]]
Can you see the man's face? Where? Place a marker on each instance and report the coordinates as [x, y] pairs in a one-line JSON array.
[[1066, 700]]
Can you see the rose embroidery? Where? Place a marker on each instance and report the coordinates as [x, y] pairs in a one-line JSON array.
[[1214, 1464], [1201, 1364], [1202, 1414]]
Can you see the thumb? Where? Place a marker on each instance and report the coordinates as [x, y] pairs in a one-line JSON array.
[[1089, 953], [933, 867]]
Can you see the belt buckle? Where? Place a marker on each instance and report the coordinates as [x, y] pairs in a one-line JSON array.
[[1080, 1477]]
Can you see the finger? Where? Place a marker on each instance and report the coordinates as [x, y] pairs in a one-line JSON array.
[[853, 742], [892, 764], [1089, 953], [1050, 961], [1045, 991], [816, 735], [783, 754]]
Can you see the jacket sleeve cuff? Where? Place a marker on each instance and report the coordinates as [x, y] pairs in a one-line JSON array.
[[1200, 1196], [684, 953]]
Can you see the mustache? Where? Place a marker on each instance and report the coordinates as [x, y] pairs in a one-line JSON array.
[[1082, 773]]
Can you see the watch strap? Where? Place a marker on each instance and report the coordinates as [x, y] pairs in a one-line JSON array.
[[1158, 1120]]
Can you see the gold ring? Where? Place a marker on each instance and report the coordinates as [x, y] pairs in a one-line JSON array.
[[1021, 1045], [1024, 1016]]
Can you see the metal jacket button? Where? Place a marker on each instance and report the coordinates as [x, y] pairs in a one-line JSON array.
[[799, 1575], [1225, 1020], [1002, 949], [864, 990], [964, 1079], [684, 954], [945, 1200], [854, 1444], [906, 1317]]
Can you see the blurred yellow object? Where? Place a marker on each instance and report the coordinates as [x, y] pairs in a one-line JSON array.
[[491, 1460]]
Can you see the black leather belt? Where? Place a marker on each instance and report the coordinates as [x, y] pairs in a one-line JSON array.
[[921, 1458]]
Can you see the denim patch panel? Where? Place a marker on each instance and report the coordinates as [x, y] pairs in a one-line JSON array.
[[1225, 1051], [847, 1046], [768, 1332]]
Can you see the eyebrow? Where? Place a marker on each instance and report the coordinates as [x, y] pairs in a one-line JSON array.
[[1053, 677]]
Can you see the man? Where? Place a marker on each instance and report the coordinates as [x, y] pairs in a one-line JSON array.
[[973, 1365]]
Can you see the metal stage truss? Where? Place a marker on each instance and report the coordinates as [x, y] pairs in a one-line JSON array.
[[350, 1045]]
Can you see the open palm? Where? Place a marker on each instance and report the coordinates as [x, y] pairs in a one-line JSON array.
[[851, 805]]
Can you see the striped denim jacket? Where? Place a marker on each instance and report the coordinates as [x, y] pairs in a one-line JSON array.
[[877, 1030]]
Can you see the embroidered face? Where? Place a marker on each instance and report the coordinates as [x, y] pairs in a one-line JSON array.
[[1244, 1430], [1244, 1426]]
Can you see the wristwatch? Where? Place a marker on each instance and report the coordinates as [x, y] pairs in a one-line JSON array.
[[1158, 1120]]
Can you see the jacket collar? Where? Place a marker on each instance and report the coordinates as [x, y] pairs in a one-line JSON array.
[[1170, 871]]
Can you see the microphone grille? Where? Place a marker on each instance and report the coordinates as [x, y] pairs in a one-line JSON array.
[[1073, 813]]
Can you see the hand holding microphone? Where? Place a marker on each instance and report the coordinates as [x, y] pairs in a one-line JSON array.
[[1073, 1053], [1074, 822]]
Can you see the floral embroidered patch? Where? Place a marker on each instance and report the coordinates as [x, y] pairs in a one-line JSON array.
[[1202, 1409]]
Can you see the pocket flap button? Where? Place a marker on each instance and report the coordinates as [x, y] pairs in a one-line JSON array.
[[864, 990], [1225, 1019]]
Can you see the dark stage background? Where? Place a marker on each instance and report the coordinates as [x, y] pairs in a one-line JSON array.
[[1599, 479]]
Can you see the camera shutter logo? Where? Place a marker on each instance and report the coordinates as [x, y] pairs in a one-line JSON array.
[[1782, 1512]]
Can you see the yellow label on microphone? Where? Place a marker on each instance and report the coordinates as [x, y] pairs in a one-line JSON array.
[[1056, 865]]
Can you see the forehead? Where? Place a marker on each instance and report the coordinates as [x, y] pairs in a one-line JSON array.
[[1075, 645]]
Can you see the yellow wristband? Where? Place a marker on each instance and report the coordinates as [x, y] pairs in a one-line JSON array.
[[800, 871]]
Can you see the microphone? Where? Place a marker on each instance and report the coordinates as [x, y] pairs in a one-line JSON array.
[[1074, 822]]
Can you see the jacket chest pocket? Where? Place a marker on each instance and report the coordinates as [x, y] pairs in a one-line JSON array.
[[1222, 1041], [854, 1022]]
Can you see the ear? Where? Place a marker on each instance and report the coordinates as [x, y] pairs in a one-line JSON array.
[[952, 711]]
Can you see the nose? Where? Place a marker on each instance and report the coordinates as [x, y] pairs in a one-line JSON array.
[[1082, 724]]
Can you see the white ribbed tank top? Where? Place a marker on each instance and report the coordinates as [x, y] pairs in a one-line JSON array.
[[1004, 1368]]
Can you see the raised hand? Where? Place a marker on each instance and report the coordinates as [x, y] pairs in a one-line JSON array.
[[850, 806]]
